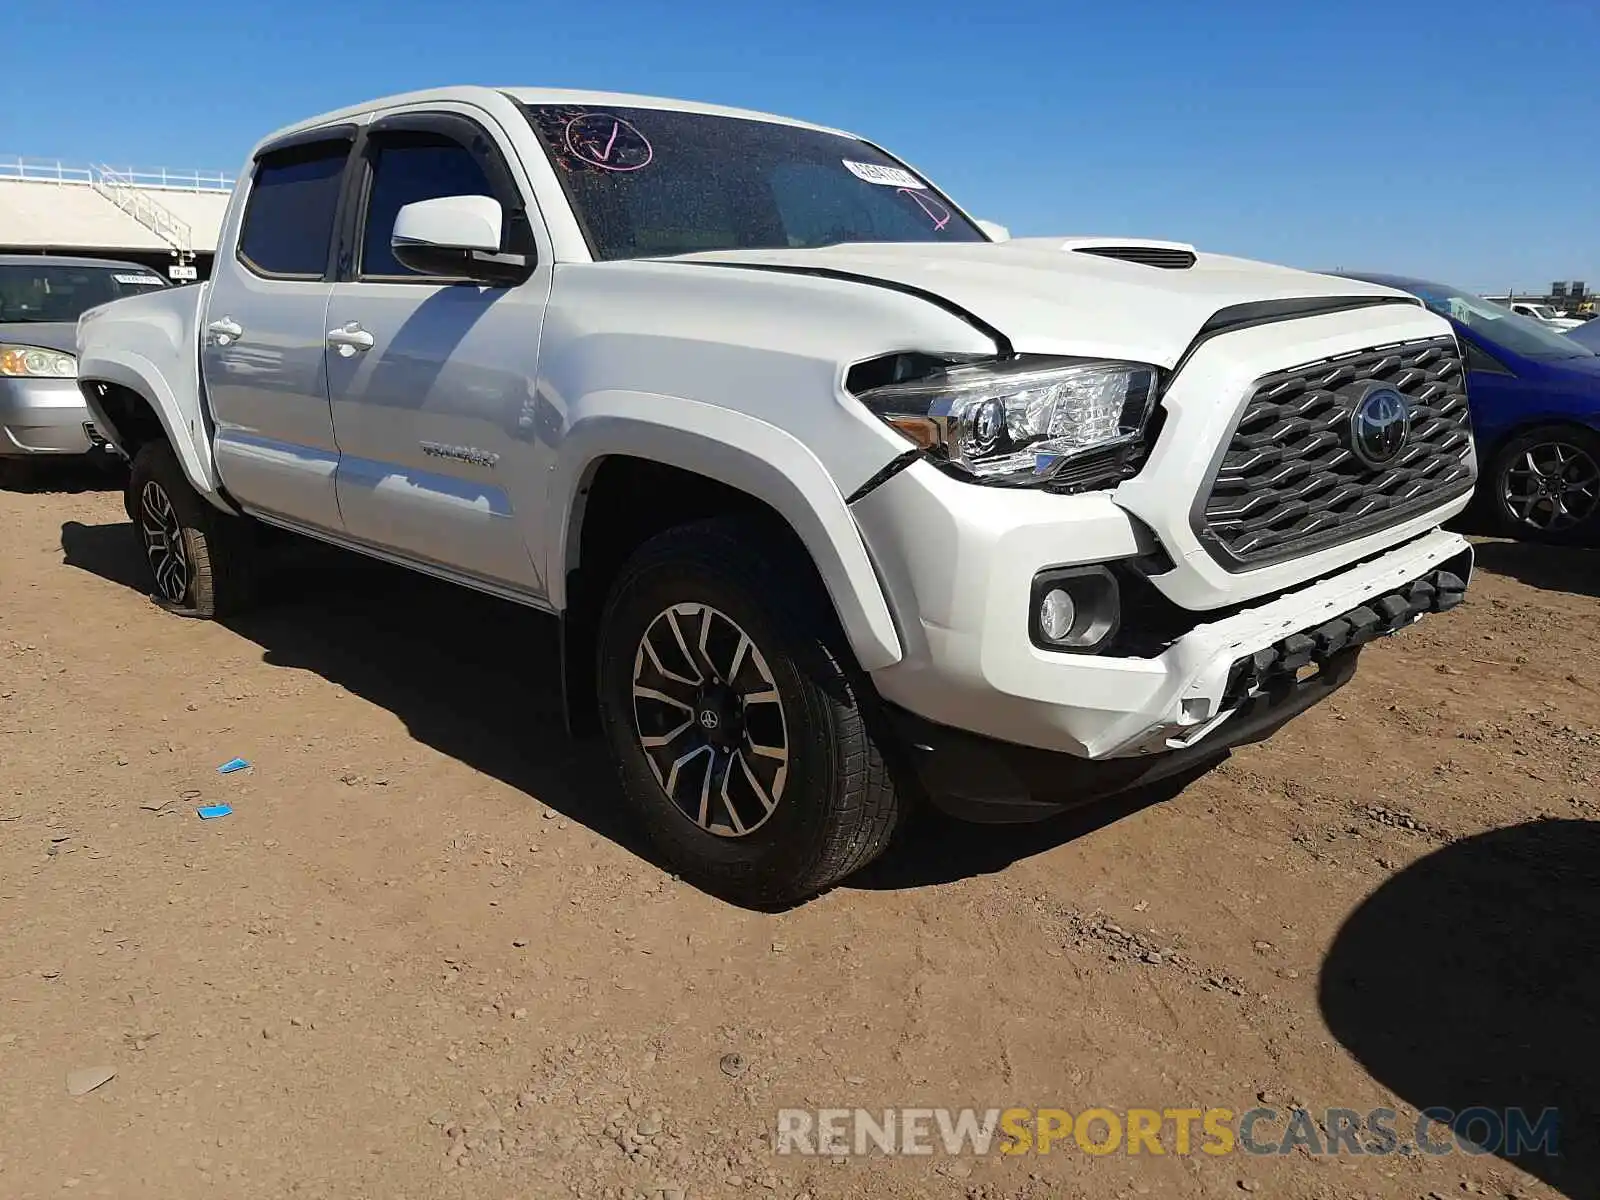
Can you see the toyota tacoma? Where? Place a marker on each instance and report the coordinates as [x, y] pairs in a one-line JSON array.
[[843, 499]]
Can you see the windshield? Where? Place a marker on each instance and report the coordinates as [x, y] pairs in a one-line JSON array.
[[1500, 326], [45, 292], [650, 182]]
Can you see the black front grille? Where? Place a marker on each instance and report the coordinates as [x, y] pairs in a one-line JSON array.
[[1150, 256], [1290, 483]]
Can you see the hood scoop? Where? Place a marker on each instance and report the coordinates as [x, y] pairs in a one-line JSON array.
[[1169, 256]]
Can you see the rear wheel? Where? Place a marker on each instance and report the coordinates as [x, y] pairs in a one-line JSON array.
[[737, 717], [1545, 486], [201, 560]]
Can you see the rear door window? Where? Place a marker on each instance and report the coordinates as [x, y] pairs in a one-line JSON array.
[[289, 218]]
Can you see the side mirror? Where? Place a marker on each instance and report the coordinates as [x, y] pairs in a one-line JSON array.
[[997, 233], [455, 236]]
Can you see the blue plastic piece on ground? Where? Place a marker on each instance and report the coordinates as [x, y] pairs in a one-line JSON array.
[[232, 765], [212, 811]]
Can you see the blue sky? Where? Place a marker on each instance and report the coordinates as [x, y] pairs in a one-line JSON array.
[[1459, 140]]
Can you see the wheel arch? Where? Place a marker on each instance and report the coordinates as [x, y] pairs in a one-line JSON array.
[[131, 404], [1489, 452], [636, 465]]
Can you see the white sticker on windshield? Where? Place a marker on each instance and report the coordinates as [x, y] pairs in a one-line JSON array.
[[145, 280], [887, 176]]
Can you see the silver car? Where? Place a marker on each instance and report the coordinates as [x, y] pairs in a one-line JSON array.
[[41, 297]]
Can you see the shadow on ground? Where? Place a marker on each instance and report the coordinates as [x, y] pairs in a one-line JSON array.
[[473, 677], [478, 679], [937, 849], [1550, 568], [1472, 978], [101, 473]]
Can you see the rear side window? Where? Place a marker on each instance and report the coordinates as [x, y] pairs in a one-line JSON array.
[[406, 168], [288, 220], [1481, 360]]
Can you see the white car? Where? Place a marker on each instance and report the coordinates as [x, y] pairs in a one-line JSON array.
[[841, 502], [1545, 314]]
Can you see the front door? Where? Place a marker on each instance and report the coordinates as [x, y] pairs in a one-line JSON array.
[[264, 332], [432, 380]]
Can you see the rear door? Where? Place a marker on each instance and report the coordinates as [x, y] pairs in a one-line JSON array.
[[265, 328], [434, 405]]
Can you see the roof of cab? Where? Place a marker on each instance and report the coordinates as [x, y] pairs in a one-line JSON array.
[[477, 94]]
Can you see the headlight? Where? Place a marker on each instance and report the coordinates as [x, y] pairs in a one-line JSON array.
[[1020, 421], [36, 362]]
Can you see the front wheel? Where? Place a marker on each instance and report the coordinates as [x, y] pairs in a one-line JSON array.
[[201, 559], [738, 722], [1545, 486]]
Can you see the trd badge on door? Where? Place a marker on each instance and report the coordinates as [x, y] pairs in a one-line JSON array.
[[466, 454]]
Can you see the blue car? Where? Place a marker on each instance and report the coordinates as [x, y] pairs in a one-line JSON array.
[[1535, 398], [1587, 334]]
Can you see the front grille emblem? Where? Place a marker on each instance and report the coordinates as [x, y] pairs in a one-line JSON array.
[[1380, 423]]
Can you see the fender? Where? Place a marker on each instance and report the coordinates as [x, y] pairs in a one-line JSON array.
[[185, 431], [743, 452]]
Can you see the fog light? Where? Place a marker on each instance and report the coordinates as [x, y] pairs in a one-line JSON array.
[[1074, 608], [1057, 615]]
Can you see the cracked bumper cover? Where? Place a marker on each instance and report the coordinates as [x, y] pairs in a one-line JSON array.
[[1091, 726], [958, 564], [1266, 669], [983, 779]]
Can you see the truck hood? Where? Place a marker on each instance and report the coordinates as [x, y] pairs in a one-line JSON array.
[[1061, 295]]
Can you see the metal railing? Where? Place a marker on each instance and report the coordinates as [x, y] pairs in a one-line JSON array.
[[143, 208], [46, 170]]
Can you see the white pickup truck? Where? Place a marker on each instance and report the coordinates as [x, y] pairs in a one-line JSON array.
[[1546, 315], [843, 499]]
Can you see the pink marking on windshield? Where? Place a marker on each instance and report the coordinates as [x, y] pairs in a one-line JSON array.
[[937, 213], [608, 142]]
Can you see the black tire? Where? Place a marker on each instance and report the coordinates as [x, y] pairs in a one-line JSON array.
[[835, 804], [1544, 486], [201, 560]]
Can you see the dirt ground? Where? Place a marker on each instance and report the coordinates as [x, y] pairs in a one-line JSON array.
[[423, 958]]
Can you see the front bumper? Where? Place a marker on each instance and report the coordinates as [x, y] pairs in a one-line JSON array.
[[983, 779], [960, 584], [44, 416], [998, 783]]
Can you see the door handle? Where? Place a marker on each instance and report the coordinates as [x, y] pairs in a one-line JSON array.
[[226, 331], [350, 338]]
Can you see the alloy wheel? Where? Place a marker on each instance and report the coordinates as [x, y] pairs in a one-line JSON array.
[[710, 720], [1551, 486], [163, 542]]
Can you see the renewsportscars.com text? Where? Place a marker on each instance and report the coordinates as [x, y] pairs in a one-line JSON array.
[[836, 1132]]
